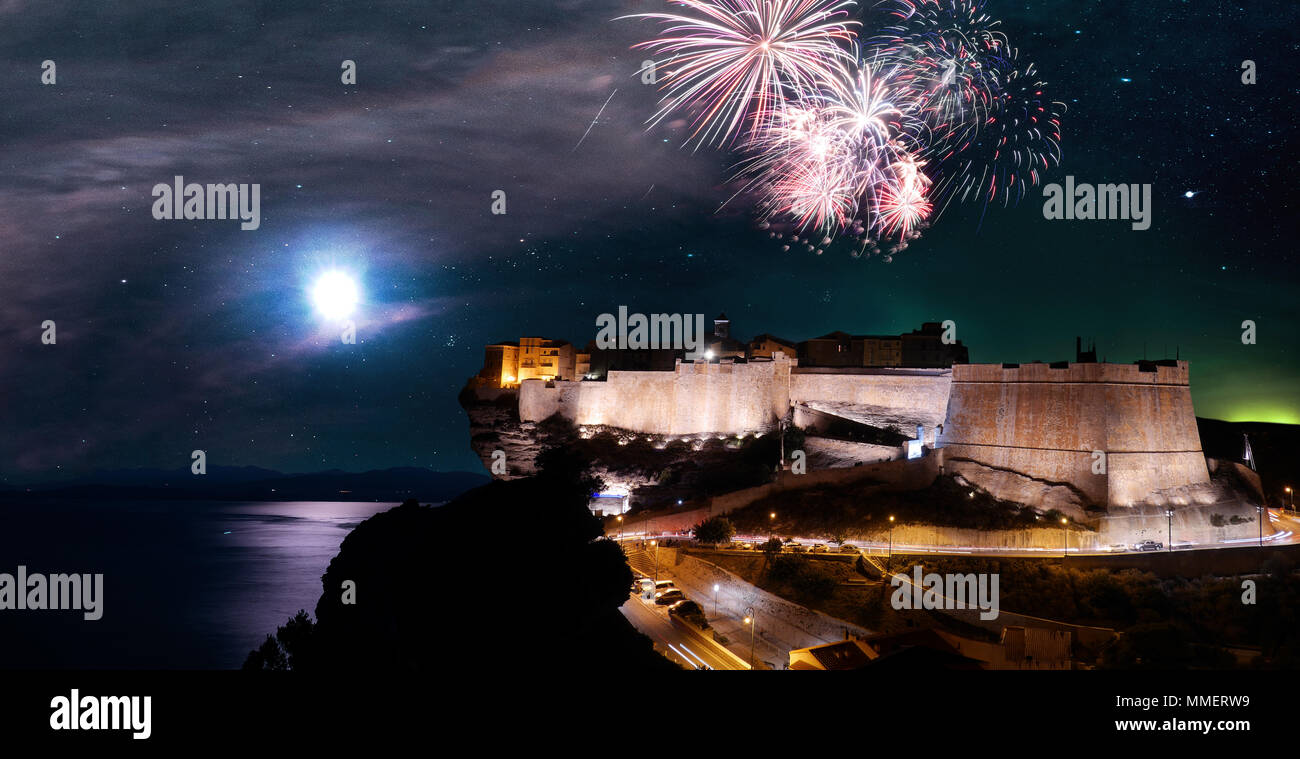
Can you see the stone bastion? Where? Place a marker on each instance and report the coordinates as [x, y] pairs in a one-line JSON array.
[[1076, 436], [1100, 435]]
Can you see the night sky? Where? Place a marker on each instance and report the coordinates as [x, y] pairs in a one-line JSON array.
[[183, 335]]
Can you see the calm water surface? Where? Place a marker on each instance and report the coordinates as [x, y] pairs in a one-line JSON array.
[[186, 585]]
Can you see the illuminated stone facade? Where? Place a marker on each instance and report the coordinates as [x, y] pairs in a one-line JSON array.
[[1074, 435], [1111, 434], [507, 364]]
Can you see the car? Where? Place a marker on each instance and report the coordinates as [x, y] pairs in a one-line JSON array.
[[685, 607], [818, 548], [663, 585], [1149, 545], [850, 548], [796, 547], [746, 546], [1117, 547], [669, 597]]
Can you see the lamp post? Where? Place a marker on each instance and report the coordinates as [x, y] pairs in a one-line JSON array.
[[771, 520], [1290, 497], [1065, 532], [753, 623], [620, 529], [1169, 514], [890, 559], [655, 543], [715, 599], [780, 465]]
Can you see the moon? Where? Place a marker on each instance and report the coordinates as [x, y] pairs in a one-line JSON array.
[[335, 295]]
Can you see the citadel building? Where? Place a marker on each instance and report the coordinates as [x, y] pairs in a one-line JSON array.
[[506, 364], [922, 348], [1078, 435]]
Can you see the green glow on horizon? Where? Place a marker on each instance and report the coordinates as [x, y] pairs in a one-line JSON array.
[[1262, 412]]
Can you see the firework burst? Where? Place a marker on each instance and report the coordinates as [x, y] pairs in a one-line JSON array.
[[732, 62], [1019, 142], [837, 140], [948, 51], [826, 165], [902, 204]]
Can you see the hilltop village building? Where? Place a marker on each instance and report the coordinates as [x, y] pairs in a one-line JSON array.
[[920, 349], [767, 346], [507, 364]]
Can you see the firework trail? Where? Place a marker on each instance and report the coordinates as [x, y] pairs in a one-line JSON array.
[[593, 121]]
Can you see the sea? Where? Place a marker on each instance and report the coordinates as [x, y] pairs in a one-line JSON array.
[[187, 585]]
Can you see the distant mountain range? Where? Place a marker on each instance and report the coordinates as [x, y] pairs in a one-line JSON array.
[[256, 484]]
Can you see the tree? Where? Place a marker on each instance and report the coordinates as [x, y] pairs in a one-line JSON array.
[[772, 547], [289, 648], [268, 657], [714, 530], [419, 597], [794, 439]]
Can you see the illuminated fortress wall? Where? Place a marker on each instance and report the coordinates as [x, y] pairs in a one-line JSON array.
[[1023, 432], [698, 398], [738, 398], [879, 397]]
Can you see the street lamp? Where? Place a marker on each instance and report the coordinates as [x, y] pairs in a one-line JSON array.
[[1169, 514], [655, 543], [620, 529], [1065, 531], [890, 559], [780, 465], [753, 623], [715, 599], [1290, 497]]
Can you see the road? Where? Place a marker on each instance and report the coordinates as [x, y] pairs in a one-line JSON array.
[[671, 640], [1287, 524]]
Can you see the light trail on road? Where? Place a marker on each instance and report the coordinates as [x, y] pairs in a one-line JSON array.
[[1281, 537]]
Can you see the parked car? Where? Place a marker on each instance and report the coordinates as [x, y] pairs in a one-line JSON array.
[[1117, 547], [818, 548], [1149, 545], [663, 585], [795, 547], [850, 548], [669, 597], [746, 546]]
